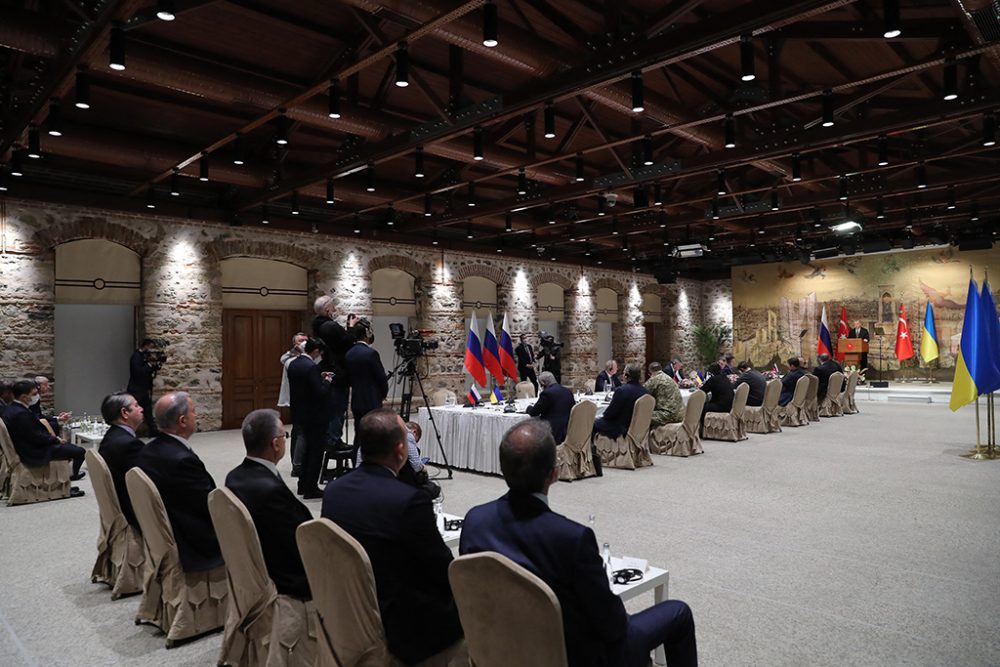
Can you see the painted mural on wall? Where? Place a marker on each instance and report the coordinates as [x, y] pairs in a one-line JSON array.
[[777, 307]]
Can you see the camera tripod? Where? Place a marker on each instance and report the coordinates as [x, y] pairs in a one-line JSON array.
[[406, 370]]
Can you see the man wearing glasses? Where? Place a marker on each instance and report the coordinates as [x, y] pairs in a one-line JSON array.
[[597, 630]]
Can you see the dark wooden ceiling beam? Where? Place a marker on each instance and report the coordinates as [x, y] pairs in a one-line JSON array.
[[670, 14], [148, 15], [592, 121], [559, 19]]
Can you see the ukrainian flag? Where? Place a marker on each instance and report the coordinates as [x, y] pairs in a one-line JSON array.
[[964, 390], [928, 341]]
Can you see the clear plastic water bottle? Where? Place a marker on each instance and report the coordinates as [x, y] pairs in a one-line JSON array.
[[606, 557]]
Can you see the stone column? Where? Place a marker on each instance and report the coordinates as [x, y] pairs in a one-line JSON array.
[[580, 353]]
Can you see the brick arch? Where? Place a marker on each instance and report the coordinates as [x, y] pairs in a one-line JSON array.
[[95, 228], [401, 262], [611, 284], [493, 273], [552, 277], [227, 248]]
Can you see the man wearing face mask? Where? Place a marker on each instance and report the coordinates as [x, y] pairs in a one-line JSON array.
[[309, 394], [34, 444], [369, 385], [284, 397]]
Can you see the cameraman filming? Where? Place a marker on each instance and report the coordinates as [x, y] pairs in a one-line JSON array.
[[142, 368], [551, 355], [338, 340]]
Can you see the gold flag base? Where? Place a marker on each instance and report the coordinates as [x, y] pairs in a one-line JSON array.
[[984, 455]]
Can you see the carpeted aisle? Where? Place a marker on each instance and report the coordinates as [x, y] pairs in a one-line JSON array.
[[864, 540]]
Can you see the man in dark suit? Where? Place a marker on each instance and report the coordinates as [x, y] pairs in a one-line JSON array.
[[597, 630], [183, 482], [308, 391], [720, 393], [369, 385], [827, 367], [789, 381], [338, 341], [526, 362], [45, 391], [608, 380], [120, 447], [758, 383], [618, 415], [677, 370], [395, 524], [140, 382], [275, 510], [553, 405], [860, 332], [34, 444], [727, 365]]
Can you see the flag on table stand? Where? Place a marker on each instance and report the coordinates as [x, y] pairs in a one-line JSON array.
[[493, 398], [963, 388], [928, 341], [473, 395], [507, 361], [491, 351], [904, 345], [842, 334], [474, 354], [988, 379], [823, 345], [497, 394]]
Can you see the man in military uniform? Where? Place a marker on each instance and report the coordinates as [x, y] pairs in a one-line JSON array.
[[669, 408]]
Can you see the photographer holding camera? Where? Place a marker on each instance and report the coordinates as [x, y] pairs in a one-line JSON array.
[[551, 355], [142, 368]]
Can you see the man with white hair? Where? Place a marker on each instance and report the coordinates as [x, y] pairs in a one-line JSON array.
[[338, 341], [553, 405], [608, 380], [44, 391]]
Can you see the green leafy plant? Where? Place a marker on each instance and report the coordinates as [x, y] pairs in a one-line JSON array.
[[709, 340]]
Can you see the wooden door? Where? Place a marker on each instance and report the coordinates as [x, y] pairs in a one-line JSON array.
[[252, 344]]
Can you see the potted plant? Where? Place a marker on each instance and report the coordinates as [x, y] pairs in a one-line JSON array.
[[710, 339]]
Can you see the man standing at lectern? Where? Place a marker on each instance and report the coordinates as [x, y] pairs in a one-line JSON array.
[[858, 331]]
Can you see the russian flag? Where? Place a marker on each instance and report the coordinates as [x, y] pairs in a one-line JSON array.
[[473, 395], [474, 354], [507, 362], [491, 351], [823, 345]]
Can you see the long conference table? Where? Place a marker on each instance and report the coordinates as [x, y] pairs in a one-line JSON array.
[[471, 436]]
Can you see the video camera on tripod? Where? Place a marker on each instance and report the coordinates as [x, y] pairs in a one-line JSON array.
[[156, 355], [548, 342], [412, 345]]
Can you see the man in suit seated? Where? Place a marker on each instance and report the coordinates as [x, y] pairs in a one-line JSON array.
[[553, 405], [669, 407], [395, 524], [45, 391], [756, 380], [608, 380], [789, 381], [727, 365], [34, 444], [369, 385], [275, 510], [597, 630], [120, 447], [183, 482], [618, 415], [720, 393], [676, 370], [309, 395], [6, 394], [827, 367]]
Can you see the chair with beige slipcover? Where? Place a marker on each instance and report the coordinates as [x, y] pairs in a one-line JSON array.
[[796, 413], [120, 553], [728, 425], [182, 604], [631, 450], [830, 405], [524, 390], [765, 418], [510, 616], [440, 397], [847, 404], [680, 439], [256, 632], [26, 484], [812, 398], [350, 632], [574, 457]]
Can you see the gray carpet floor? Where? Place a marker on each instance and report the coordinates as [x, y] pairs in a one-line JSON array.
[[864, 540]]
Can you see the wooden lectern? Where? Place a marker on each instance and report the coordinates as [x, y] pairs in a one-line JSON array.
[[853, 348]]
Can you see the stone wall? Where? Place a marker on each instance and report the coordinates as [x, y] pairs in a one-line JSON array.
[[182, 294]]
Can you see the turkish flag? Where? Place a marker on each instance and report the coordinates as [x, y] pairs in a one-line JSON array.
[[904, 345], [842, 332]]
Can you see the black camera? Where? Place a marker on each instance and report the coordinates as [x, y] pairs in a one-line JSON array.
[[548, 341], [156, 355], [412, 345]]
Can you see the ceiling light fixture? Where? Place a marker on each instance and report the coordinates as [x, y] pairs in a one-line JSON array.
[[4, 178], [879, 209], [827, 108], [921, 170], [551, 217], [471, 197], [418, 162], [522, 182], [116, 49], [490, 24], [890, 18], [477, 144], [357, 223], [657, 195], [434, 237], [239, 150], [796, 168], [661, 219], [601, 204], [614, 226], [165, 10], [746, 58], [17, 163], [370, 178], [34, 143], [150, 198], [468, 230], [715, 209], [402, 66], [508, 223], [82, 91], [579, 168], [817, 218], [281, 136], [175, 183], [729, 128], [428, 205], [549, 116], [637, 102], [265, 217], [843, 188], [334, 99], [330, 199], [295, 203], [951, 198], [775, 205], [883, 150], [721, 187], [647, 150], [974, 212], [203, 168], [54, 120], [950, 80], [989, 130]]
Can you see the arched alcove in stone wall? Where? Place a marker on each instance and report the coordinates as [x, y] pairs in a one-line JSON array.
[[95, 228], [263, 284], [97, 271]]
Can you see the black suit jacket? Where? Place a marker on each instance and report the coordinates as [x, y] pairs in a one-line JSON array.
[[758, 384], [120, 450], [184, 485], [617, 416], [606, 382], [32, 442], [276, 513], [553, 405], [564, 555], [823, 372], [862, 334], [140, 375], [395, 524], [338, 340], [788, 386], [369, 386], [307, 392], [722, 393], [525, 356]]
